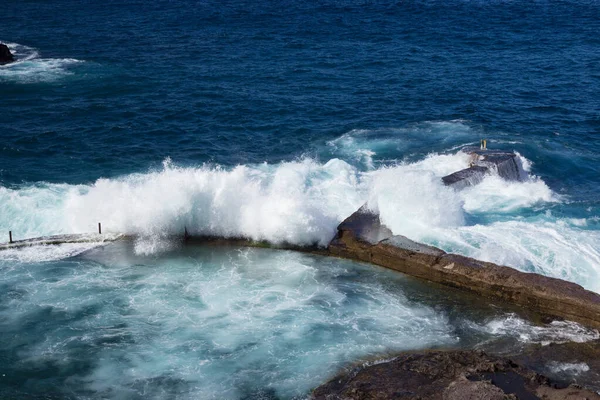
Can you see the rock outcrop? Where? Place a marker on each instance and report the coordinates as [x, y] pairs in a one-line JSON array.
[[5, 55], [362, 237], [446, 375], [483, 162]]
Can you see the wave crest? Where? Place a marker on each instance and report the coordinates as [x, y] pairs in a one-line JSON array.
[[302, 202]]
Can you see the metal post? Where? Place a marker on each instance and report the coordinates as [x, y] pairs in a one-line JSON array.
[[10, 237], [99, 228]]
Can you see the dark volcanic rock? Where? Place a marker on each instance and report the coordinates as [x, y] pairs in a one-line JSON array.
[[447, 375], [5, 54], [366, 226]]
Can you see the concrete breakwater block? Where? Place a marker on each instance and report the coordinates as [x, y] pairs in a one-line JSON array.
[[483, 162]]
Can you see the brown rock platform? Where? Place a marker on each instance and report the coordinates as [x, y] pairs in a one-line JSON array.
[[362, 237]]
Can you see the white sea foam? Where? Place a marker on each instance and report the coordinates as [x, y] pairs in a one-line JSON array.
[[303, 201], [29, 67], [218, 323], [568, 368], [411, 200], [43, 253], [524, 331]]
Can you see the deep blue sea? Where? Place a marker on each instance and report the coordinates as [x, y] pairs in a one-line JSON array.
[[275, 120]]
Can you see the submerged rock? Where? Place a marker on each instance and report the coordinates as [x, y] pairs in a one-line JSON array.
[[5, 55], [447, 375]]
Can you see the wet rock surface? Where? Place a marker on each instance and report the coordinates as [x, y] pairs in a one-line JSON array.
[[5, 54], [447, 375], [564, 363], [363, 237], [482, 163]]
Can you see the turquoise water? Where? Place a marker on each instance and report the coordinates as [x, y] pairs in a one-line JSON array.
[[275, 120], [221, 323]]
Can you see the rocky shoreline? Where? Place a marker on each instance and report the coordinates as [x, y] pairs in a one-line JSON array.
[[362, 237], [447, 375]]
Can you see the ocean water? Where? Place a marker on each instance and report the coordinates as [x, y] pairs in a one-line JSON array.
[[275, 120]]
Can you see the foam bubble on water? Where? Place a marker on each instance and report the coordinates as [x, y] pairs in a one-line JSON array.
[[29, 67], [37, 210], [547, 247], [568, 368], [297, 202], [524, 331], [411, 200], [499, 195], [361, 146]]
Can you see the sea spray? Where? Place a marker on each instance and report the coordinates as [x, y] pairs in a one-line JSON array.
[[302, 202]]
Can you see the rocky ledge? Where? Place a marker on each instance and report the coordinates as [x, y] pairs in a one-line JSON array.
[[363, 237], [447, 375], [5, 55]]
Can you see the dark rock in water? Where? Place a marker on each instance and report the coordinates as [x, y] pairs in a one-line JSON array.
[[465, 177], [366, 226], [447, 375], [5, 54], [483, 162], [564, 362]]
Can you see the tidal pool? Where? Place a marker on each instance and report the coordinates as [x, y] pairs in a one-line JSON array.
[[219, 322]]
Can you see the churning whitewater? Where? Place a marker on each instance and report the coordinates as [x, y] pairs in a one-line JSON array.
[[302, 202], [233, 323]]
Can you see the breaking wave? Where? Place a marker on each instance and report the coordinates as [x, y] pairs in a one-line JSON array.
[[302, 202]]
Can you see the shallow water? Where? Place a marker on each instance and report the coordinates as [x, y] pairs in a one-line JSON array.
[[213, 322]]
